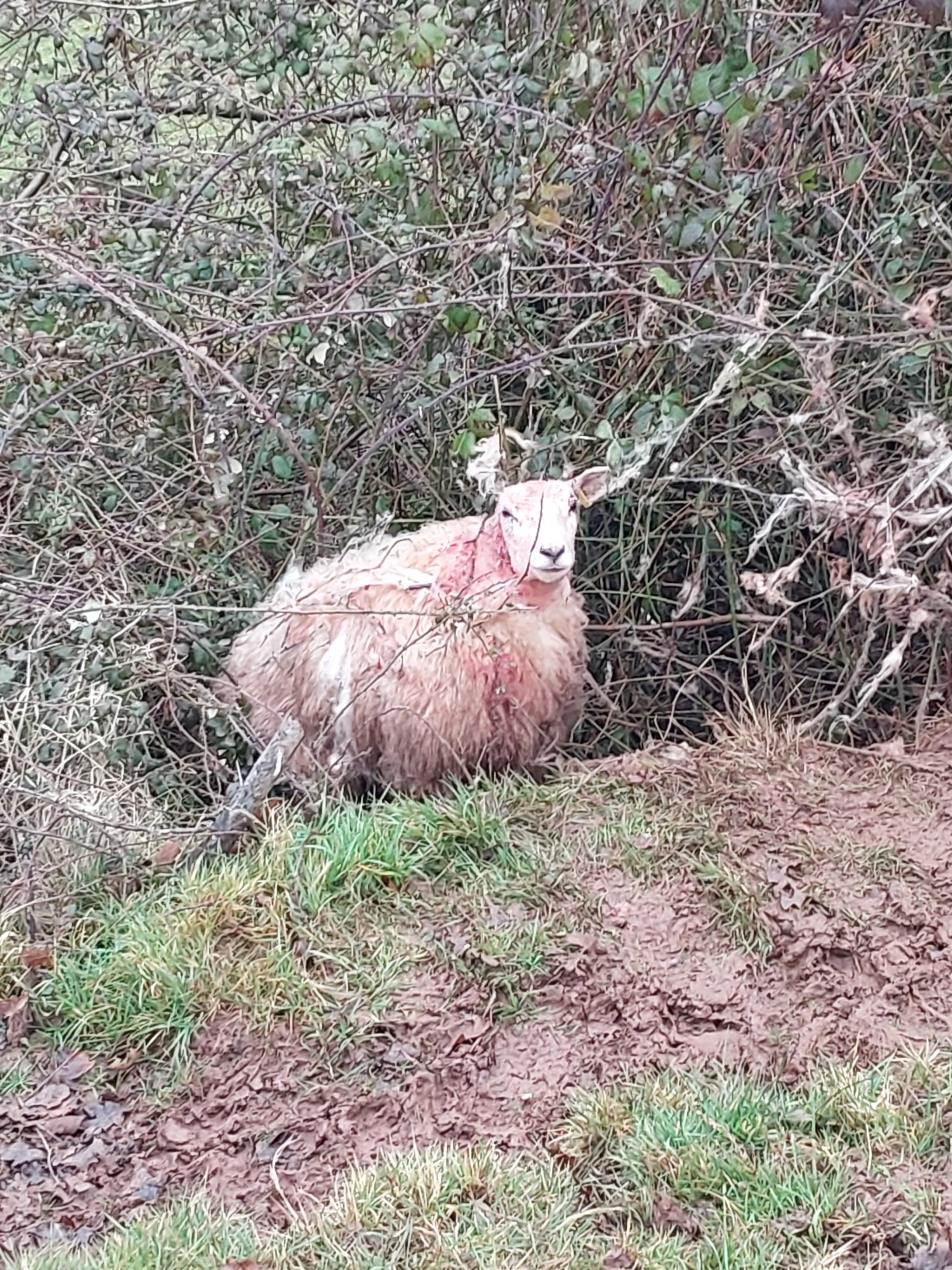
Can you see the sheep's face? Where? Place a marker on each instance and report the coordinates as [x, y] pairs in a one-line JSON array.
[[538, 520]]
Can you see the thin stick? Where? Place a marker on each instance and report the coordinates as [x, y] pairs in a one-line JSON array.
[[246, 796]]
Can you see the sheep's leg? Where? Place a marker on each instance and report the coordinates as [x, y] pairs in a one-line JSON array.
[[336, 675]]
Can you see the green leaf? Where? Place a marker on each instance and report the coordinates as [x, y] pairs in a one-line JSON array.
[[692, 233], [460, 317], [464, 444], [282, 467], [700, 88], [853, 169], [670, 286], [434, 35]]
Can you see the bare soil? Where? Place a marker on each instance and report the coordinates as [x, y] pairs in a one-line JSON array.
[[850, 855]]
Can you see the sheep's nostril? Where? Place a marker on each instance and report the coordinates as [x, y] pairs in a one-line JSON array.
[[552, 553]]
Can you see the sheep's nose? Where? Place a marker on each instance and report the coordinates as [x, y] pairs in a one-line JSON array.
[[552, 553]]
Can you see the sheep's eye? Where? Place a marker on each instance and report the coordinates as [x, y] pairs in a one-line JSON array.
[[508, 514], [573, 505]]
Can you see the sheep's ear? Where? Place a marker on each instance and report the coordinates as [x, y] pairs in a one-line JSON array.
[[592, 485]]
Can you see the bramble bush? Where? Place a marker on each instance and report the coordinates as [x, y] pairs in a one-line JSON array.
[[271, 271]]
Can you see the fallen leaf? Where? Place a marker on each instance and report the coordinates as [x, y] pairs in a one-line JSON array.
[[37, 956], [18, 1153], [84, 1156], [667, 1214], [14, 1011], [103, 1116], [470, 1031], [168, 853], [128, 1060], [73, 1066], [246, 1263], [175, 1133], [617, 1259], [48, 1097], [64, 1125], [922, 312]]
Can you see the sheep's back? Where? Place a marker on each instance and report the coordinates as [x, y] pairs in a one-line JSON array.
[[437, 696]]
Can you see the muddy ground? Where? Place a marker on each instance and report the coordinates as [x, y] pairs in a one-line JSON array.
[[848, 856]]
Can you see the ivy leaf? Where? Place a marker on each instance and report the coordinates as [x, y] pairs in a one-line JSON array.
[[282, 467], [460, 317], [665, 282]]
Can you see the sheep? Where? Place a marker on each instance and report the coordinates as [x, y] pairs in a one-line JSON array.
[[413, 659]]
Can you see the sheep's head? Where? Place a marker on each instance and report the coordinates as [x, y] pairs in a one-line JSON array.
[[538, 520]]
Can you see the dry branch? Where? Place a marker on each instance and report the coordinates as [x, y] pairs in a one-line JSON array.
[[246, 796]]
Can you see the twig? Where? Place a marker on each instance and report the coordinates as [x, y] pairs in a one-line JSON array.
[[246, 796]]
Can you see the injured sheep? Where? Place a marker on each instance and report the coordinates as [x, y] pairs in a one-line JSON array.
[[435, 654]]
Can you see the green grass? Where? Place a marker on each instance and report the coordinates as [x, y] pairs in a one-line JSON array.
[[736, 899], [750, 1174], [317, 922], [14, 1077], [507, 958], [768, 1176], [294, 927]]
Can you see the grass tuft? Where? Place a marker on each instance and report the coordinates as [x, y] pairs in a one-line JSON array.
[[760, 1174]]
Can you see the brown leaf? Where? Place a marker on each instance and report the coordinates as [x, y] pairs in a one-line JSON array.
[[49, 1097], [168, 853], [37, 956], [15, 1012], [922, 312], [246, 1263], [617, 1259], [84, 1156], [667, 1214], [63, 1124], [469, 1031], [73, 1067], [176, 1133], [128, 1060]]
